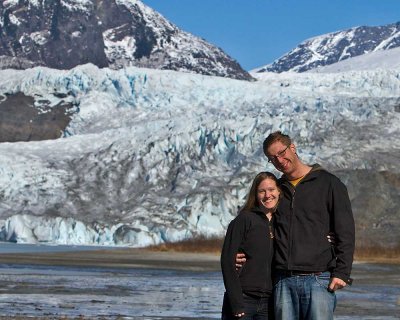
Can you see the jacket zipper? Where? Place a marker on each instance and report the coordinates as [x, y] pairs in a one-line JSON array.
[[269, 239], [293, 193]]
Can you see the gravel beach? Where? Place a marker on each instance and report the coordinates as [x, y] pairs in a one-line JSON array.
[[110, 284], [131, 283]]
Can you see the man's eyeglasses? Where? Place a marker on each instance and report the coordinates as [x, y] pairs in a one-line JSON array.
[[280, 154]]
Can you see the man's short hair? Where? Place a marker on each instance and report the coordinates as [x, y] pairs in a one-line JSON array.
[[274, 137]]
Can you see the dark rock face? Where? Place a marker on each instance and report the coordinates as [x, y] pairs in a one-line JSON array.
[[25, 118], [45, 34], [375, 199], [334, 47], [115, 33]]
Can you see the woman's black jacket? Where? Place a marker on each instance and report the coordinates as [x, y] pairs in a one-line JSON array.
[[249, 233]]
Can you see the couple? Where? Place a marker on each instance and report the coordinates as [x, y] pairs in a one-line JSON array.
[[290, 269]]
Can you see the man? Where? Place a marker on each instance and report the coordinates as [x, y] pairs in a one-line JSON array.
[[308, 269]]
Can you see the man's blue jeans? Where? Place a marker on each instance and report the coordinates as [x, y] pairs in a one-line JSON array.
[[304, 297]]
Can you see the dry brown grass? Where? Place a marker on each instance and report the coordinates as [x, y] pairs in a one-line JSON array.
[[378, 254], [204, 244], [200, 244]]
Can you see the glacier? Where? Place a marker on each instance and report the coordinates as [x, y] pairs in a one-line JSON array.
[[153, 156]]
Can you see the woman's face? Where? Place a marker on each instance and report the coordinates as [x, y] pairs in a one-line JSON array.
[[268, 194]]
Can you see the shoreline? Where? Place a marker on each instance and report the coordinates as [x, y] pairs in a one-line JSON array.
[[118, 258], [134, 258]]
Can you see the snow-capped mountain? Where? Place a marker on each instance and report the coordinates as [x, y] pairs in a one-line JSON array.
[[62, 34], [152, 156], [383, 59], [337, 46]]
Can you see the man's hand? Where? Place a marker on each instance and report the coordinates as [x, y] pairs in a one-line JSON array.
[[335, 284], [240, 260], [331, 238], [239, 315]]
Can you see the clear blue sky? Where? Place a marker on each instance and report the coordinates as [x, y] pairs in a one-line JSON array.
[[256, 32]]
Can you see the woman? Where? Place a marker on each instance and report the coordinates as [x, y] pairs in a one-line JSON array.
[[249, 292]]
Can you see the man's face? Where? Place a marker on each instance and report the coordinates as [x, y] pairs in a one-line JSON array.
[[283, 157]]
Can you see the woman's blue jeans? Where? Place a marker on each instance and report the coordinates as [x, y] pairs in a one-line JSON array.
[[304, 297]]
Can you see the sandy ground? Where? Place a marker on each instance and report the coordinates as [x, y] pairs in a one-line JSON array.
[[118, 258]]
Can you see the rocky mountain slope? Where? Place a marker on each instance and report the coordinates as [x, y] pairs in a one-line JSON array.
[[337, 46], [62, 34]]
